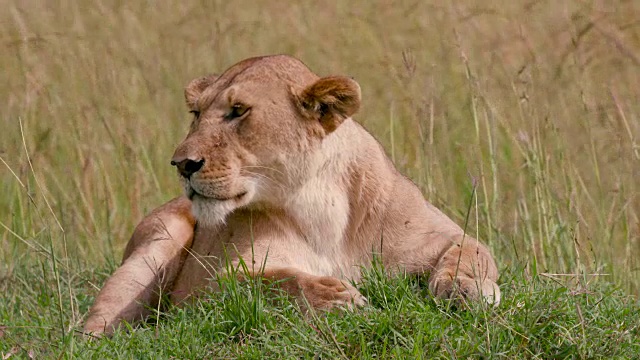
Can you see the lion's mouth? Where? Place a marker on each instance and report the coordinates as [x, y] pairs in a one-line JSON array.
[[192, 193]]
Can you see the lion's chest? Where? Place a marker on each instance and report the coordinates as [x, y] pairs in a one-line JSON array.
[[321, 211], [307, 236]]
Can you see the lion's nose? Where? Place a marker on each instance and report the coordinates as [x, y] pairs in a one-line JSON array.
[[187, 167]]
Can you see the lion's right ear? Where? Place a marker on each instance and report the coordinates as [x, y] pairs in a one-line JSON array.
[[330, 100], [195, 88]]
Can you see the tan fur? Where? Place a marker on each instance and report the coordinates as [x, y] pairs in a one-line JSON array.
[[278, 174]]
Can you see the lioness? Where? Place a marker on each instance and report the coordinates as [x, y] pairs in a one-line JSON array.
[[276, 173]]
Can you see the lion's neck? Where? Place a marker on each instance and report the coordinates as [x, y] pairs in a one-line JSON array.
[[348, 183]]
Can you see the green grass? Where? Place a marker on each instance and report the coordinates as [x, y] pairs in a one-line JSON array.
[[535, 103], [539, 318]]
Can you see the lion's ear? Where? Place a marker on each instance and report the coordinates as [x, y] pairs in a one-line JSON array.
[[195, 88], [331, 100]]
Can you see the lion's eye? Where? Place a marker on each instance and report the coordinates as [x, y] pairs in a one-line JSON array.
[[195, 113], [237, 110]]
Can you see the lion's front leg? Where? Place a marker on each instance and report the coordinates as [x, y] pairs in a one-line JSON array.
[[151, 262], [466, 270]]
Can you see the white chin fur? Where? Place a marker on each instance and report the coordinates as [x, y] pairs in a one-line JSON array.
[[211, 213]]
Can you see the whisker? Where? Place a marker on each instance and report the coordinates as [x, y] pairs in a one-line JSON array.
[[264, 167], [263, 176]]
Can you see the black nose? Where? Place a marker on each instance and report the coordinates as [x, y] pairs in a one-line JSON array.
[[188, 167]]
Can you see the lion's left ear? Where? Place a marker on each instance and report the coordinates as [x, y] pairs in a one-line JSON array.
[[195, 88], [331, 100]]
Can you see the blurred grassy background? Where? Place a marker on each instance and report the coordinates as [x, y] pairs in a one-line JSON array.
[[535, 102]]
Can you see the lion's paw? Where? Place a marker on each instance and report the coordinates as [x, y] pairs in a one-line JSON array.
[[465, 288], [326, 292]]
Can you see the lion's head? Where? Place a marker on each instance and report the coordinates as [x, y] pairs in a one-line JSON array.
[[255, 128]]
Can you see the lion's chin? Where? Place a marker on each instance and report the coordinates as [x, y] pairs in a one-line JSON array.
[[212, 211]]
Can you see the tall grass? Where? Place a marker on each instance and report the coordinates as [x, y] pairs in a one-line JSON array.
[[535, 102]]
